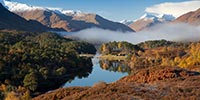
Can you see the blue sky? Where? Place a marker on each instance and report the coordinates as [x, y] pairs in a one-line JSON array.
[[115, 10]]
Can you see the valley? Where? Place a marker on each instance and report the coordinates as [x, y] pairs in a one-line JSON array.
[[158, 70], [52, 51]]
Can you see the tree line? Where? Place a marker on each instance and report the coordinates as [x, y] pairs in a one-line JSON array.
[[156, 53]]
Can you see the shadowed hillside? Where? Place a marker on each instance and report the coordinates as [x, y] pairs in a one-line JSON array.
[[11, 21]]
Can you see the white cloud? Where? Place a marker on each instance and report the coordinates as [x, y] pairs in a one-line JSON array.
[[173, 32], [174, 8]]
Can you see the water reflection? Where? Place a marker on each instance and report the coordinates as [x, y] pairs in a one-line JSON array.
[[51, 81], [115, 66], [103, 70], [79, 74]]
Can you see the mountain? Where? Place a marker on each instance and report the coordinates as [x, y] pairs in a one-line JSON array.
[[126, 22], [150, 19], [66, 19], [192, 18], [11, 21]]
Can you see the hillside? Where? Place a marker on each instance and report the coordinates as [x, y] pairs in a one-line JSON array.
[[11, 21], [156, 74], [150, 83], [34, 63], [142, 24], [72, 23], [192, 18]]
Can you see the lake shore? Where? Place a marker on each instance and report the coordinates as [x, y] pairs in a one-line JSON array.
[[111, 57], [87, 55], [149, 84]]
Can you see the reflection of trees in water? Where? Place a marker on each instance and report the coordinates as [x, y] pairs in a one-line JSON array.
[[115, 66], [81, 73], [50, 83]]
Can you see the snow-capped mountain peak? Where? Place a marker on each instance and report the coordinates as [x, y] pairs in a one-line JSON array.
[[157, 17], [20, 7], [63, 11], [148, 16], [126, 22], [150, 19]]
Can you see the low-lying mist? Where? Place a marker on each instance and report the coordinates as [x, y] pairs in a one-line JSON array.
[[172, 32]]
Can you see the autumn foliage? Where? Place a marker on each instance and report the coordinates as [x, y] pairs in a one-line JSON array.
[[185, 55]]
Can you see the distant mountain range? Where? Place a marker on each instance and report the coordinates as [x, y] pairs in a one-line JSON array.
[[65, 19], [149, 19], [20, 16]]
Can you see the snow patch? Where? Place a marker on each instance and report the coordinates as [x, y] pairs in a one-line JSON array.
[[20, 7], [156, 17], [126, 22], [72, 13], [149, 15]]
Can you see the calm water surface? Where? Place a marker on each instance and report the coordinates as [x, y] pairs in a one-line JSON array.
[[102, 71]]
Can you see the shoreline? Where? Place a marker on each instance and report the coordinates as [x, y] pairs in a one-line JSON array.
[[111, 57]]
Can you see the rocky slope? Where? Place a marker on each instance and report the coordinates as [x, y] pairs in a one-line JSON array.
[[11, 21], [72, 23], [147, 84], [68, 20], [192, 18], [141, 24]]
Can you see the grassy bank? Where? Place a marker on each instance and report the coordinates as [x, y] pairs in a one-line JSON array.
[[111, 57]]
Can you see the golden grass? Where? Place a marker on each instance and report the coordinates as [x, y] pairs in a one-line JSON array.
[[87, 55], [111, 57]]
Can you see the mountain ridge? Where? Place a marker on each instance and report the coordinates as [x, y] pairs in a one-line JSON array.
[[11, 21], [68, 20]]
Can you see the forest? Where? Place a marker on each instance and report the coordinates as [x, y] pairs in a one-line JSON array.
[[159, 70], [34, 63], [156, 53], [117, 48], [115, 66]]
